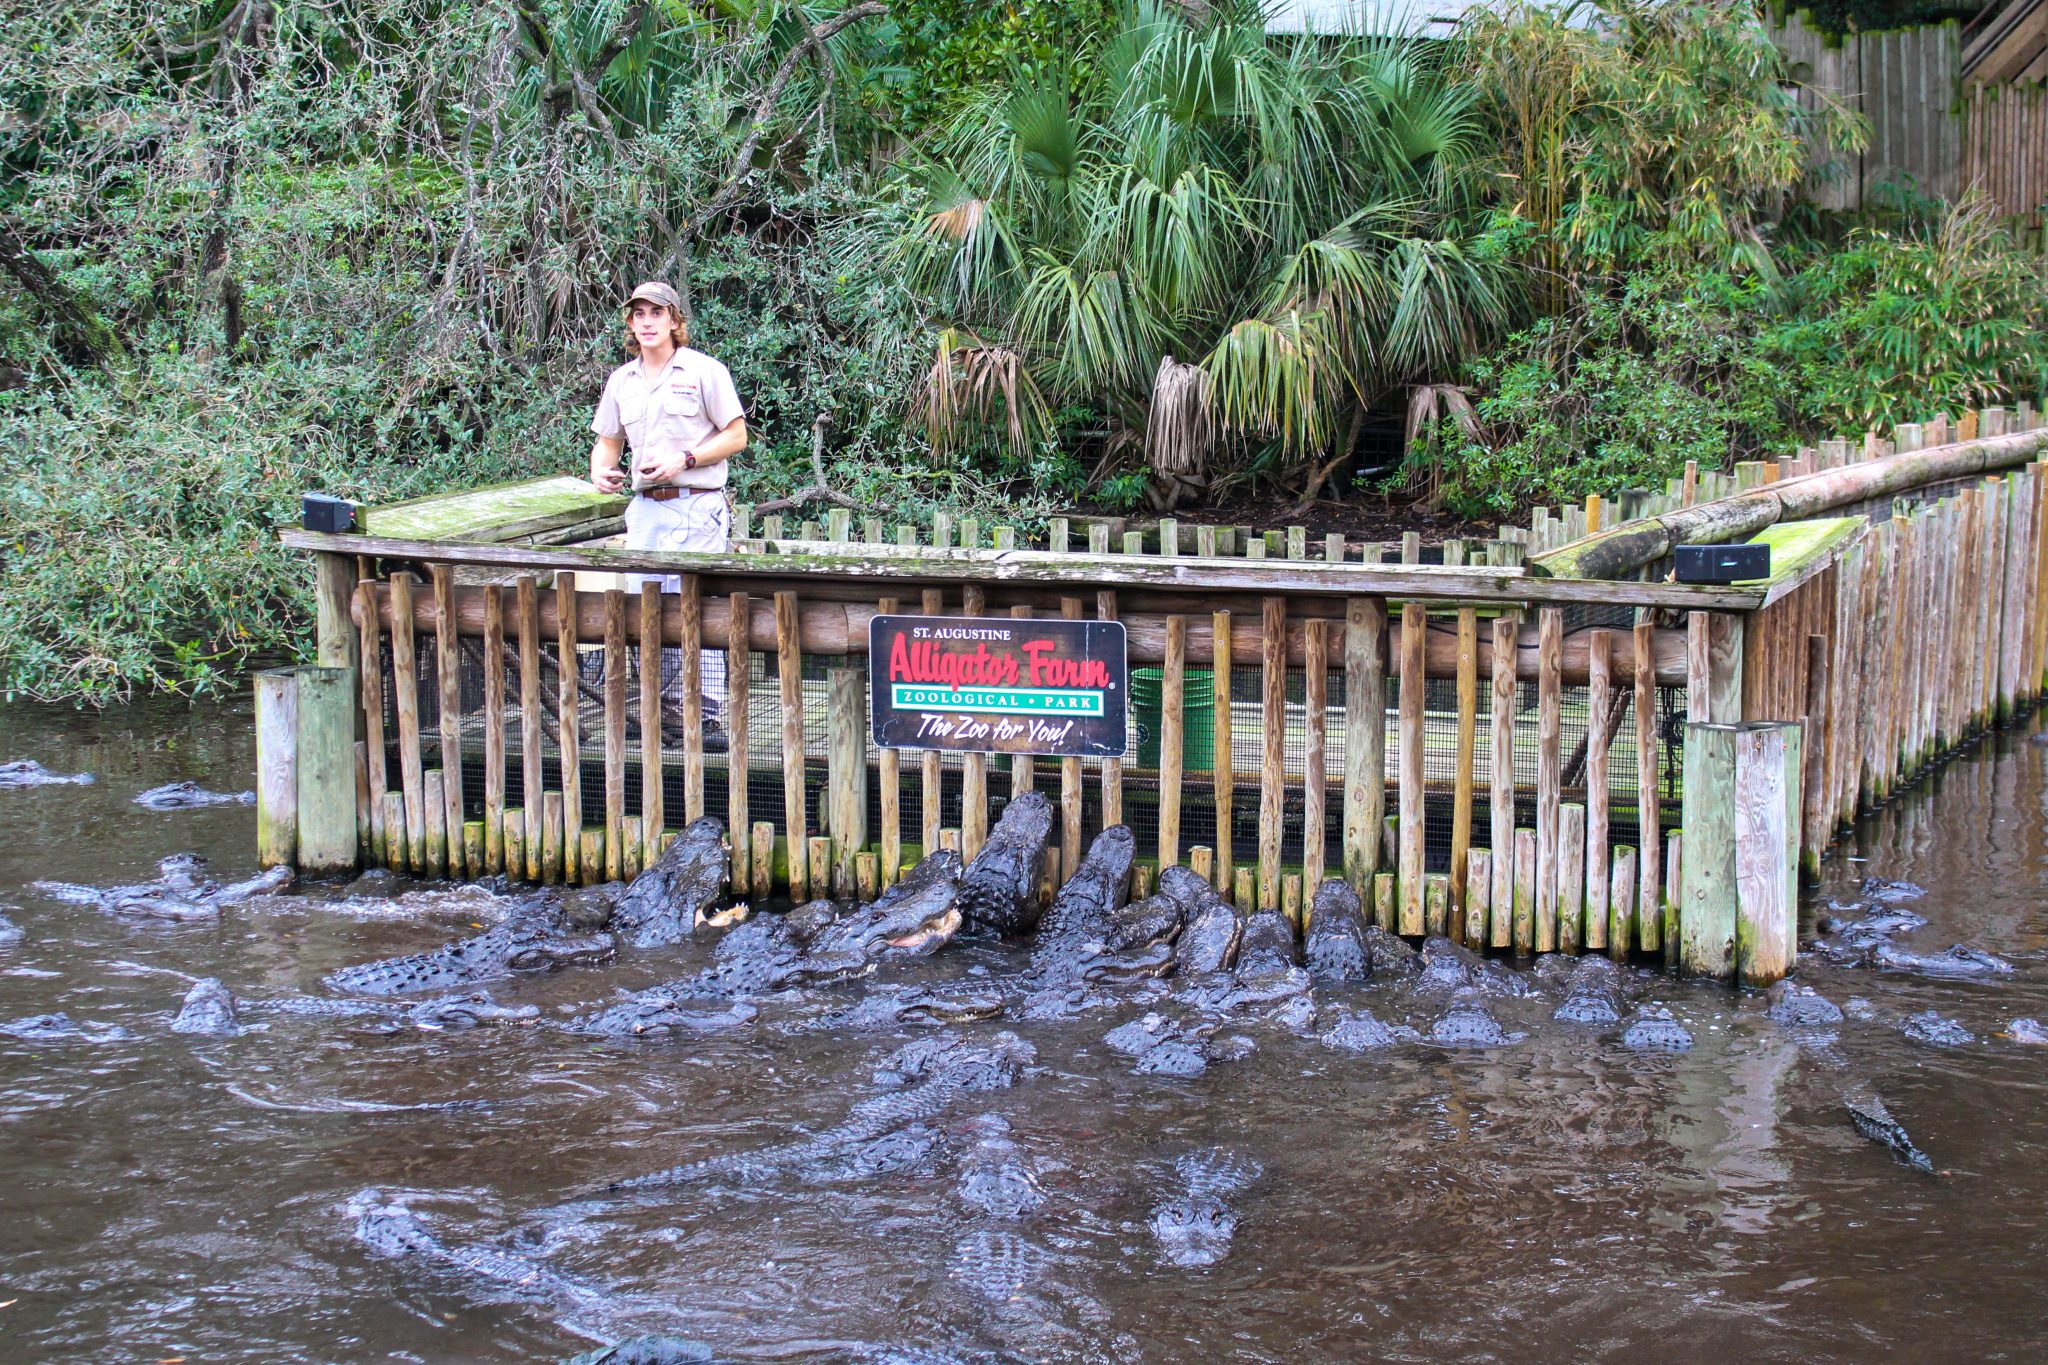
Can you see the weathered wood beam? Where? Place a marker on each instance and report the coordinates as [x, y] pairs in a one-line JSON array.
[[1628, 547]]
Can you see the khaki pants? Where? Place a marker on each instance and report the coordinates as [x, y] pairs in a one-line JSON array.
[[695, 521]]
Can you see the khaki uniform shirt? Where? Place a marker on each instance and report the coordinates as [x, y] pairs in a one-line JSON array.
[[691, 400]]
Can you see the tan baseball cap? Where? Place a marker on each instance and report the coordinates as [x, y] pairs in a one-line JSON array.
[[654, 291]]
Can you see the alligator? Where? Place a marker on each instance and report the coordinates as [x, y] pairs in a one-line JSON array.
[[1362, 1032], [531, 941], [892, 1006], [394, 1231], [1958, 960], [1446, 967], [1932, 1028], [1875, 1122], [1850, 941], [1390, 954], [209, 1008], [922, 1079], [1176, 1047], [1468, 1023], [997, 1264], [665, 903], [1084, 912], [1194, 1227], [1335, 950], [994, 1179], [1137, 947], [656, 1350], [1212, 930], [62, 1028], [179, 893], [190, 796], [28, 773], [1655, 1030], [660, 1012], [10, 932], [2027, 1031], [1890, 892], [1592, 993], [818, 943], [1796, 1006], [999, 890]]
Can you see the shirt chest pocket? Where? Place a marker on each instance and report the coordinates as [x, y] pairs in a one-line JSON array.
[[633, 410], [681, 401]]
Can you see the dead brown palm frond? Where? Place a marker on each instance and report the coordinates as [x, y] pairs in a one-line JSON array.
[[1429, 406], [1179, 430], [968, 378], [957, 224]]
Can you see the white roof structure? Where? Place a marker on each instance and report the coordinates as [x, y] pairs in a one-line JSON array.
[[1421, 18]]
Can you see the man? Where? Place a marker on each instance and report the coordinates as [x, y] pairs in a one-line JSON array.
[[678, 413]]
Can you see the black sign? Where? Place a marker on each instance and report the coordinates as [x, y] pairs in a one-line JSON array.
[[990, 684]]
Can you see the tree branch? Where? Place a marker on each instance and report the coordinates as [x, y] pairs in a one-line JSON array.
[[78, 327]]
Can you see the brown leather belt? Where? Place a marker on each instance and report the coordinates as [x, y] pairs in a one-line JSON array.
[[671, 494]]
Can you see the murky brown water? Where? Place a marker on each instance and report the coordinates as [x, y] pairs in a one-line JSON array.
[[1560, 1199]]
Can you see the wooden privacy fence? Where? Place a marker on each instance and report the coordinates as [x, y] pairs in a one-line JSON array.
[[1525, 762]]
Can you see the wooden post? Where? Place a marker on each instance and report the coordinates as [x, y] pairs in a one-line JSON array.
[[1766, 849], [1478, 895], [448, 667], [1202, 862], [1224, 764], [590, 854], [1436, 903], [1365, 737], [652, 797], [1525, 892], [1621, 903], [1072, 798], [1112, 768], [1273, 767], [326, 770], [1172, 735], [513, 837], [494, 729], [1414, 641], [1571, 877], [1714, 667], [277, 767], [1023, 773], [394, 829], [1549, 767], [691, 644], [1290, 899], [761, 845], [867, 876], [1600, 703], [1708, 895], [614, 735], [1812, 785], [567, 726], [1501, 762], [1461, 772], [847, 769], [1314, 762], [437, 825], [1383, 913], [1647, 808], [973, 767], [526, 607], [739, 669], [334, 583], [552, 838], [789, 665], [932, 793], [371, 677]]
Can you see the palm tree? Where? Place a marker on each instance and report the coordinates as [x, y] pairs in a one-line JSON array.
[[1213, 238]]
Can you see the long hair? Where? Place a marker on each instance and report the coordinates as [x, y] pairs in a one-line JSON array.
[[681, 330]]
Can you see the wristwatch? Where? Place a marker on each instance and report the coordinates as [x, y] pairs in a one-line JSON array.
[[689, 459]]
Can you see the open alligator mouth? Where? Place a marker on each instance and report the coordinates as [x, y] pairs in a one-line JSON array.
[[928, 936], [725, 917]]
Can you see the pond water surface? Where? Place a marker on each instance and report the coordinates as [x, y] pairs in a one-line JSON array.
[[1561, 1198]]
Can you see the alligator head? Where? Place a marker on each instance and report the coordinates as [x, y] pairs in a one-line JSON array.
[[660, 1011], [914, 918], [467, 1011]]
